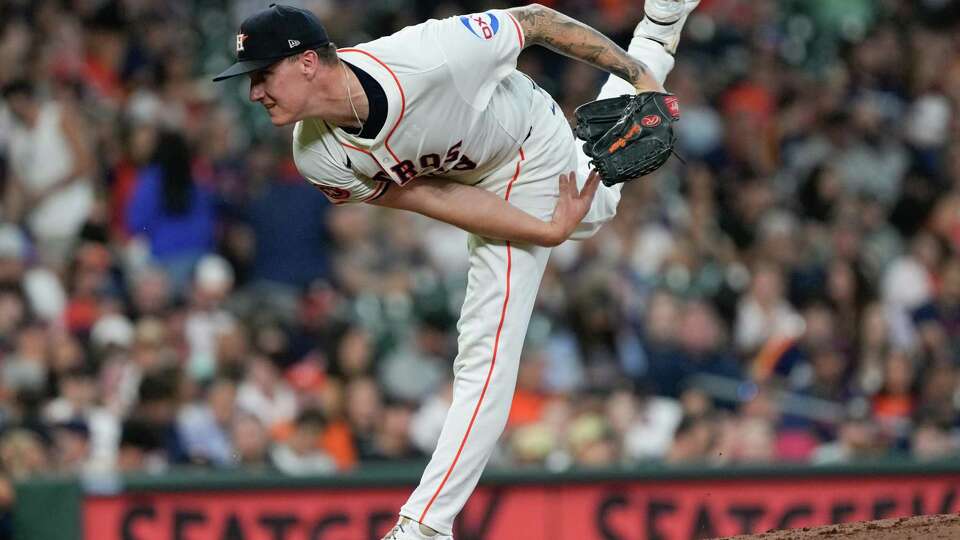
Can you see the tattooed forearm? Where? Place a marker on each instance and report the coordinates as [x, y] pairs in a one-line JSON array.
[[544, 26]]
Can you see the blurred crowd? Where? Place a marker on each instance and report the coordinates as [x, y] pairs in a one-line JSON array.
[[171, 293]]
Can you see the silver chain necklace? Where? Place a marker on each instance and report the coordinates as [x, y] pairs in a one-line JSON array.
[[346, 87]]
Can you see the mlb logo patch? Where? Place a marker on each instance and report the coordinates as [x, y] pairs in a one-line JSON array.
[[482, 25]]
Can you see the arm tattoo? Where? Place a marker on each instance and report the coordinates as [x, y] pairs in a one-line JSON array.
[[569, 37]]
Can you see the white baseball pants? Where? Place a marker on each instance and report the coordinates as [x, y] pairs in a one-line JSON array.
[[502, 286]]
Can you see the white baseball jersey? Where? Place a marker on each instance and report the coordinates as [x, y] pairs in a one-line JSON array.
[[457, 107]]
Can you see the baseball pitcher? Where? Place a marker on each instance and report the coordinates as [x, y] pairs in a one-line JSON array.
[[437, 120]]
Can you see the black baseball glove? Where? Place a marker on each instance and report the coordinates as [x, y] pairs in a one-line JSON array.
[[628, 137]]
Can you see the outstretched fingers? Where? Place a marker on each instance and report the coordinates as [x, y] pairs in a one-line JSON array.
[[590, 186], [568, 185]]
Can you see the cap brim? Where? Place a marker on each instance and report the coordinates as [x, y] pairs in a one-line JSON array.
[[244, 67]]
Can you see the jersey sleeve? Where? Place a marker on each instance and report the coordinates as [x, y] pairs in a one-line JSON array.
[[323, 163], [344, 190], [480, 50]]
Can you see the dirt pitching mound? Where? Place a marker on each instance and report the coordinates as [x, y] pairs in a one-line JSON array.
[[912, 528]]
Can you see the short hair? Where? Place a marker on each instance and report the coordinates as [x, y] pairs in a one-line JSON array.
[[327, 53], [311, 418], [17, 87]]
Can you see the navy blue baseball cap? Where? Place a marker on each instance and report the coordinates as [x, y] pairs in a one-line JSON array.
[[274, 33]]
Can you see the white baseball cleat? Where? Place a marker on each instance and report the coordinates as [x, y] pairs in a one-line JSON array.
[[668, 11], [663, 21], [407, 529]]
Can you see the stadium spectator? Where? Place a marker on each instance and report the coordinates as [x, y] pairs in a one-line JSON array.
[[302, 453], [173, 210], [205, 427], [250, 441], [49, 184]]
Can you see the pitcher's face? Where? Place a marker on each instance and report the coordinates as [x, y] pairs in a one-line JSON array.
[[282, 90]]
